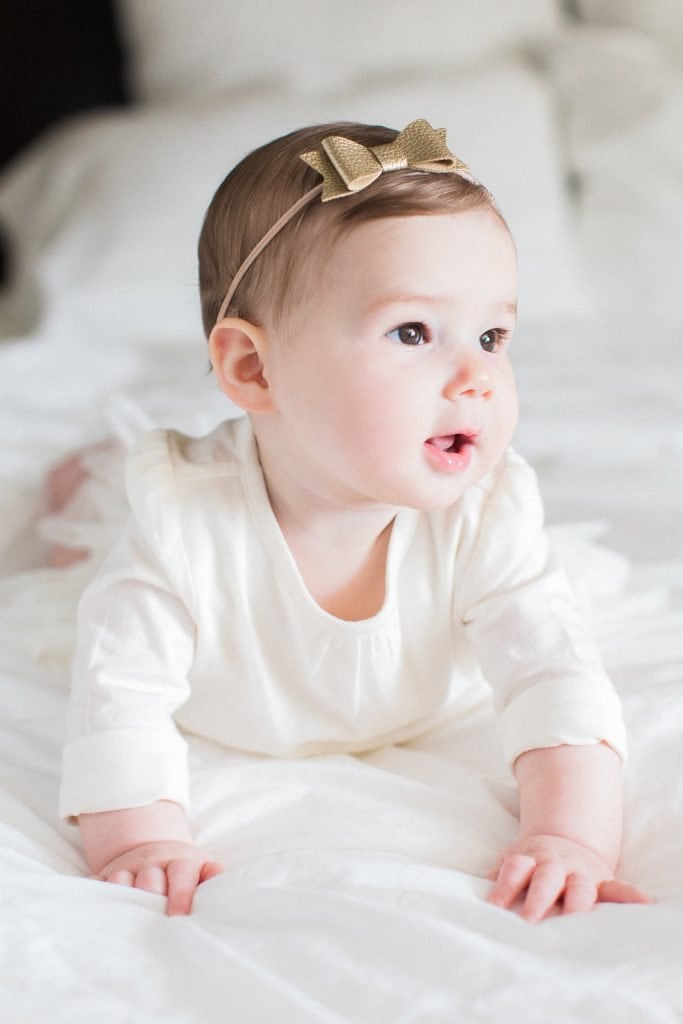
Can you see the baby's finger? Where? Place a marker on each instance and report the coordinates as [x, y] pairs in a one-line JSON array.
[[513, 878], [210, 870], [545, 889], [615, 891], [152, 878], [580, 895], [183, 878], [120, 877]]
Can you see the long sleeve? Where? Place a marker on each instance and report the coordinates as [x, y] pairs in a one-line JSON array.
[[134, 650], [548, 681]]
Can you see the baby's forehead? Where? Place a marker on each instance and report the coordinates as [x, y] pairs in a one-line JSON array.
[[421, 247], [424, 265], [484, 227]]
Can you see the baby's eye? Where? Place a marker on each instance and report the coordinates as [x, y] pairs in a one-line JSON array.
[[410, 334], [493, 340]]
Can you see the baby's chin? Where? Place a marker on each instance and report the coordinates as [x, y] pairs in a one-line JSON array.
[[450, 496], [441, 499]]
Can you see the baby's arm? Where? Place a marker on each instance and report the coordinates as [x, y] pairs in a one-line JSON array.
[[570, 832], [148, 848]]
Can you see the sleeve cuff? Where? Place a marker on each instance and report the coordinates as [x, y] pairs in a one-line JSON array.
[[576, 714], [119, 768]]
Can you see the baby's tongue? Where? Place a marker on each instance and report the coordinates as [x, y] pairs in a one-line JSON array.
[[442, 442]]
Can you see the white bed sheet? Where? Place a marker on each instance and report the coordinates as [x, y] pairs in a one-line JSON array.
[[355, 889], [355, 885]]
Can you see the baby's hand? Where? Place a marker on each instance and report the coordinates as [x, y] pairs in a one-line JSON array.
[[554, 870], [169, 868]]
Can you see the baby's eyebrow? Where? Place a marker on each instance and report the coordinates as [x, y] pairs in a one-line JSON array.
[[402, 298]]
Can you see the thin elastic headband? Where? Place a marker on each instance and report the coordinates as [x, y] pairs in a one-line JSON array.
[[260, 246], [348, 167]]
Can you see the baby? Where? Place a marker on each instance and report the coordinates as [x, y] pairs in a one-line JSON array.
[[347, 564]]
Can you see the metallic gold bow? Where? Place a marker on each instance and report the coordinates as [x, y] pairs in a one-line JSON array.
[[348, 167]]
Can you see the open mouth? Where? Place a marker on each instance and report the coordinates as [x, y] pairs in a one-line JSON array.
[[451, 453], [455, 443]]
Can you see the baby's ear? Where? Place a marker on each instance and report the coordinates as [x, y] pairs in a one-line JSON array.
[[237, 349]]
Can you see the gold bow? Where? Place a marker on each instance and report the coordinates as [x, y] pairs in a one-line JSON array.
[[348, 167]]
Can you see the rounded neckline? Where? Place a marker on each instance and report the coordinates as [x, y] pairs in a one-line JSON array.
[[274, 542]]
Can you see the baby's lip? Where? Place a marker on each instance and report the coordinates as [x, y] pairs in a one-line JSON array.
[[453, 442]]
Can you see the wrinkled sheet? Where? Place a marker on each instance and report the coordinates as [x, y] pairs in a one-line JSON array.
[[355, 886]]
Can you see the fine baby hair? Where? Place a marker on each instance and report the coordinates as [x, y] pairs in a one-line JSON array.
[[269, 183]]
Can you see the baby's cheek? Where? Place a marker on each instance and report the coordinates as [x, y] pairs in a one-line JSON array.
[[367, 414], [513, 416], [508, 406]]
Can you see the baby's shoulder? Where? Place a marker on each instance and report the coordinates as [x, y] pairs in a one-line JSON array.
[[511, 484], [503, 514], [503, 508], [170, 460], [168, 473]]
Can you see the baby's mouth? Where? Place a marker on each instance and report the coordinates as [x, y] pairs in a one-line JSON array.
[[453, 442]]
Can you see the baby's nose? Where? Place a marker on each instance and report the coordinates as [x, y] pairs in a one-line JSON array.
[[471, 378]]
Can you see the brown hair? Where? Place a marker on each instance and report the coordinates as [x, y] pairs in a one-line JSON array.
[[268, 182]]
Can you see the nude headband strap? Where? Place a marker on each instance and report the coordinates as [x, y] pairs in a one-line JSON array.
[[348, 167], [260, 246]]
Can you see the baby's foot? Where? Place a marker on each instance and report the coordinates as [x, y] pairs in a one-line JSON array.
[[62, 483]]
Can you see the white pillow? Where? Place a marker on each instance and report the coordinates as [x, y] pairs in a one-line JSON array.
[[625, 147], [182, 51], [106, 213]]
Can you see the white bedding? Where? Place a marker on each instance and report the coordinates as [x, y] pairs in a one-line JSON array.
[[355, 885]]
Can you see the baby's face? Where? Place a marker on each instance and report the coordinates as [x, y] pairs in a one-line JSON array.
[[394, 383]]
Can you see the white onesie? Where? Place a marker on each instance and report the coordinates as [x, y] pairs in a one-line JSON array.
[[199, 622]]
